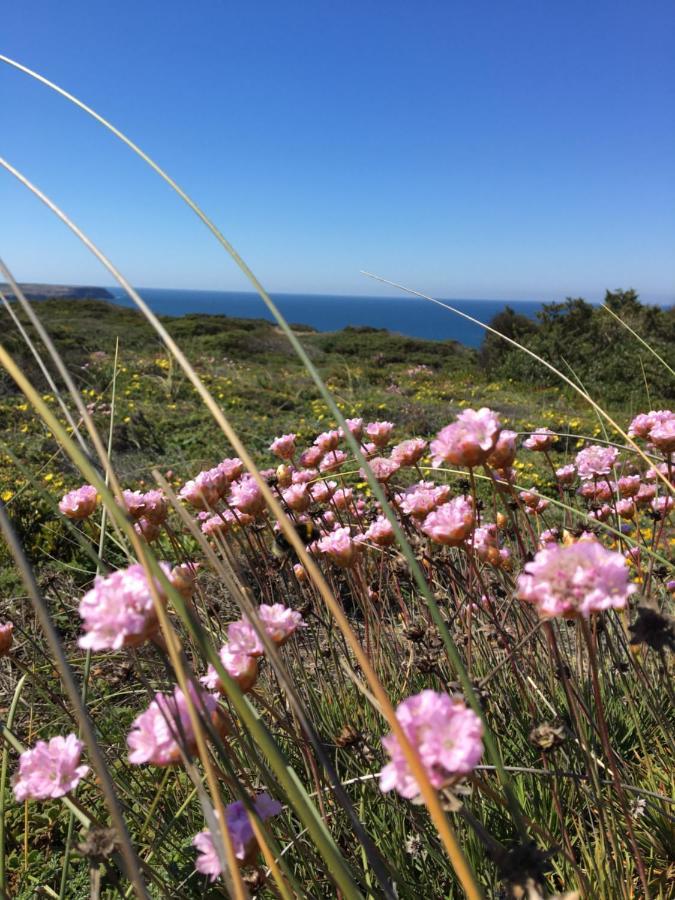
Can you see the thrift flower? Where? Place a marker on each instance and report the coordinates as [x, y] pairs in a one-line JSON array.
[[284, 446], [80, 503], [311, 457], [382, 468], [355, 426], [202, 492], [542, 439], [578, 579], [339, 546], [451, 523], [246, 496], [379, 432], [243, 638], [566, 474], [118, 611], [662, 435], [280, 622], [297, 497], [595, 461], [504, 452], [241, 834], [628, 485], [327, 441], [380, 532], [51, 769], [409, 452], [422, 498], [241, 667], [467, 442], [333, 460], [158, 734], [446, 735]]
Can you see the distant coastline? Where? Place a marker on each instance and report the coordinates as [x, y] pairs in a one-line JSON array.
[[58, 292]]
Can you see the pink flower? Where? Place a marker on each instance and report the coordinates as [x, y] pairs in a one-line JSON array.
[[339, 546], [504, 452], [382, 468], [284, 446], [355, 426], [646, 494], [662, 435], [6, 637], [549, 536], [662, 505], [155, 507], [304, 476], [530, 498], [241, 667], [642, 425], [451, 523], [246, 496], [446, 735], [628, 485], [119, 611], [595, 490], [183, 578], [342, 498], [158, 734], [601, 513], [626, 508], [542, 439], [485, 544], [578, 579], [147, 529], [215, 525], [297, 497], [322, 491], [409, 452], [243, 638], [134, 503], [80, 503], [467, 442], [333, 460], [49, 770], [422, 498], [379, 432], [241, 834], [280, 622], [202, 492], [566, 474], [311, 457], [327, 441], [595, 460], [380, 532]]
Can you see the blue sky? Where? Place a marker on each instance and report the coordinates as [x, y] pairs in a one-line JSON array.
[[469, 149]]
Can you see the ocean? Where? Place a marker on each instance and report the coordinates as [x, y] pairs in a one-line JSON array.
[[410, 316]]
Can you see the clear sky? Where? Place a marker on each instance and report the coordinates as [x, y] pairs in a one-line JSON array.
[[519, 149]]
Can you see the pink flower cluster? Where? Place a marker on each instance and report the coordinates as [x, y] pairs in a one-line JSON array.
[[238, 824], [575, 580], [51, 769], [239, 655], [119, 610], [657, 427], [595, 461], [164, 732], [80, 503], [467, 442], [446, 735]]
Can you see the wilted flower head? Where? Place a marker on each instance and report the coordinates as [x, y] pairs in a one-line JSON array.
[[158, 734], [6, 637], [241, 834], [339, 546], [451, 523], [504, 452], [379, 432], [468, 441], [542, 439], [446, 735], [118, 611], [578, 579], [380, 532], [51, 769], [280, 621], [382, 468], [246, 496], [284, 446], [80, 503], [595, 460], [407, 453]]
